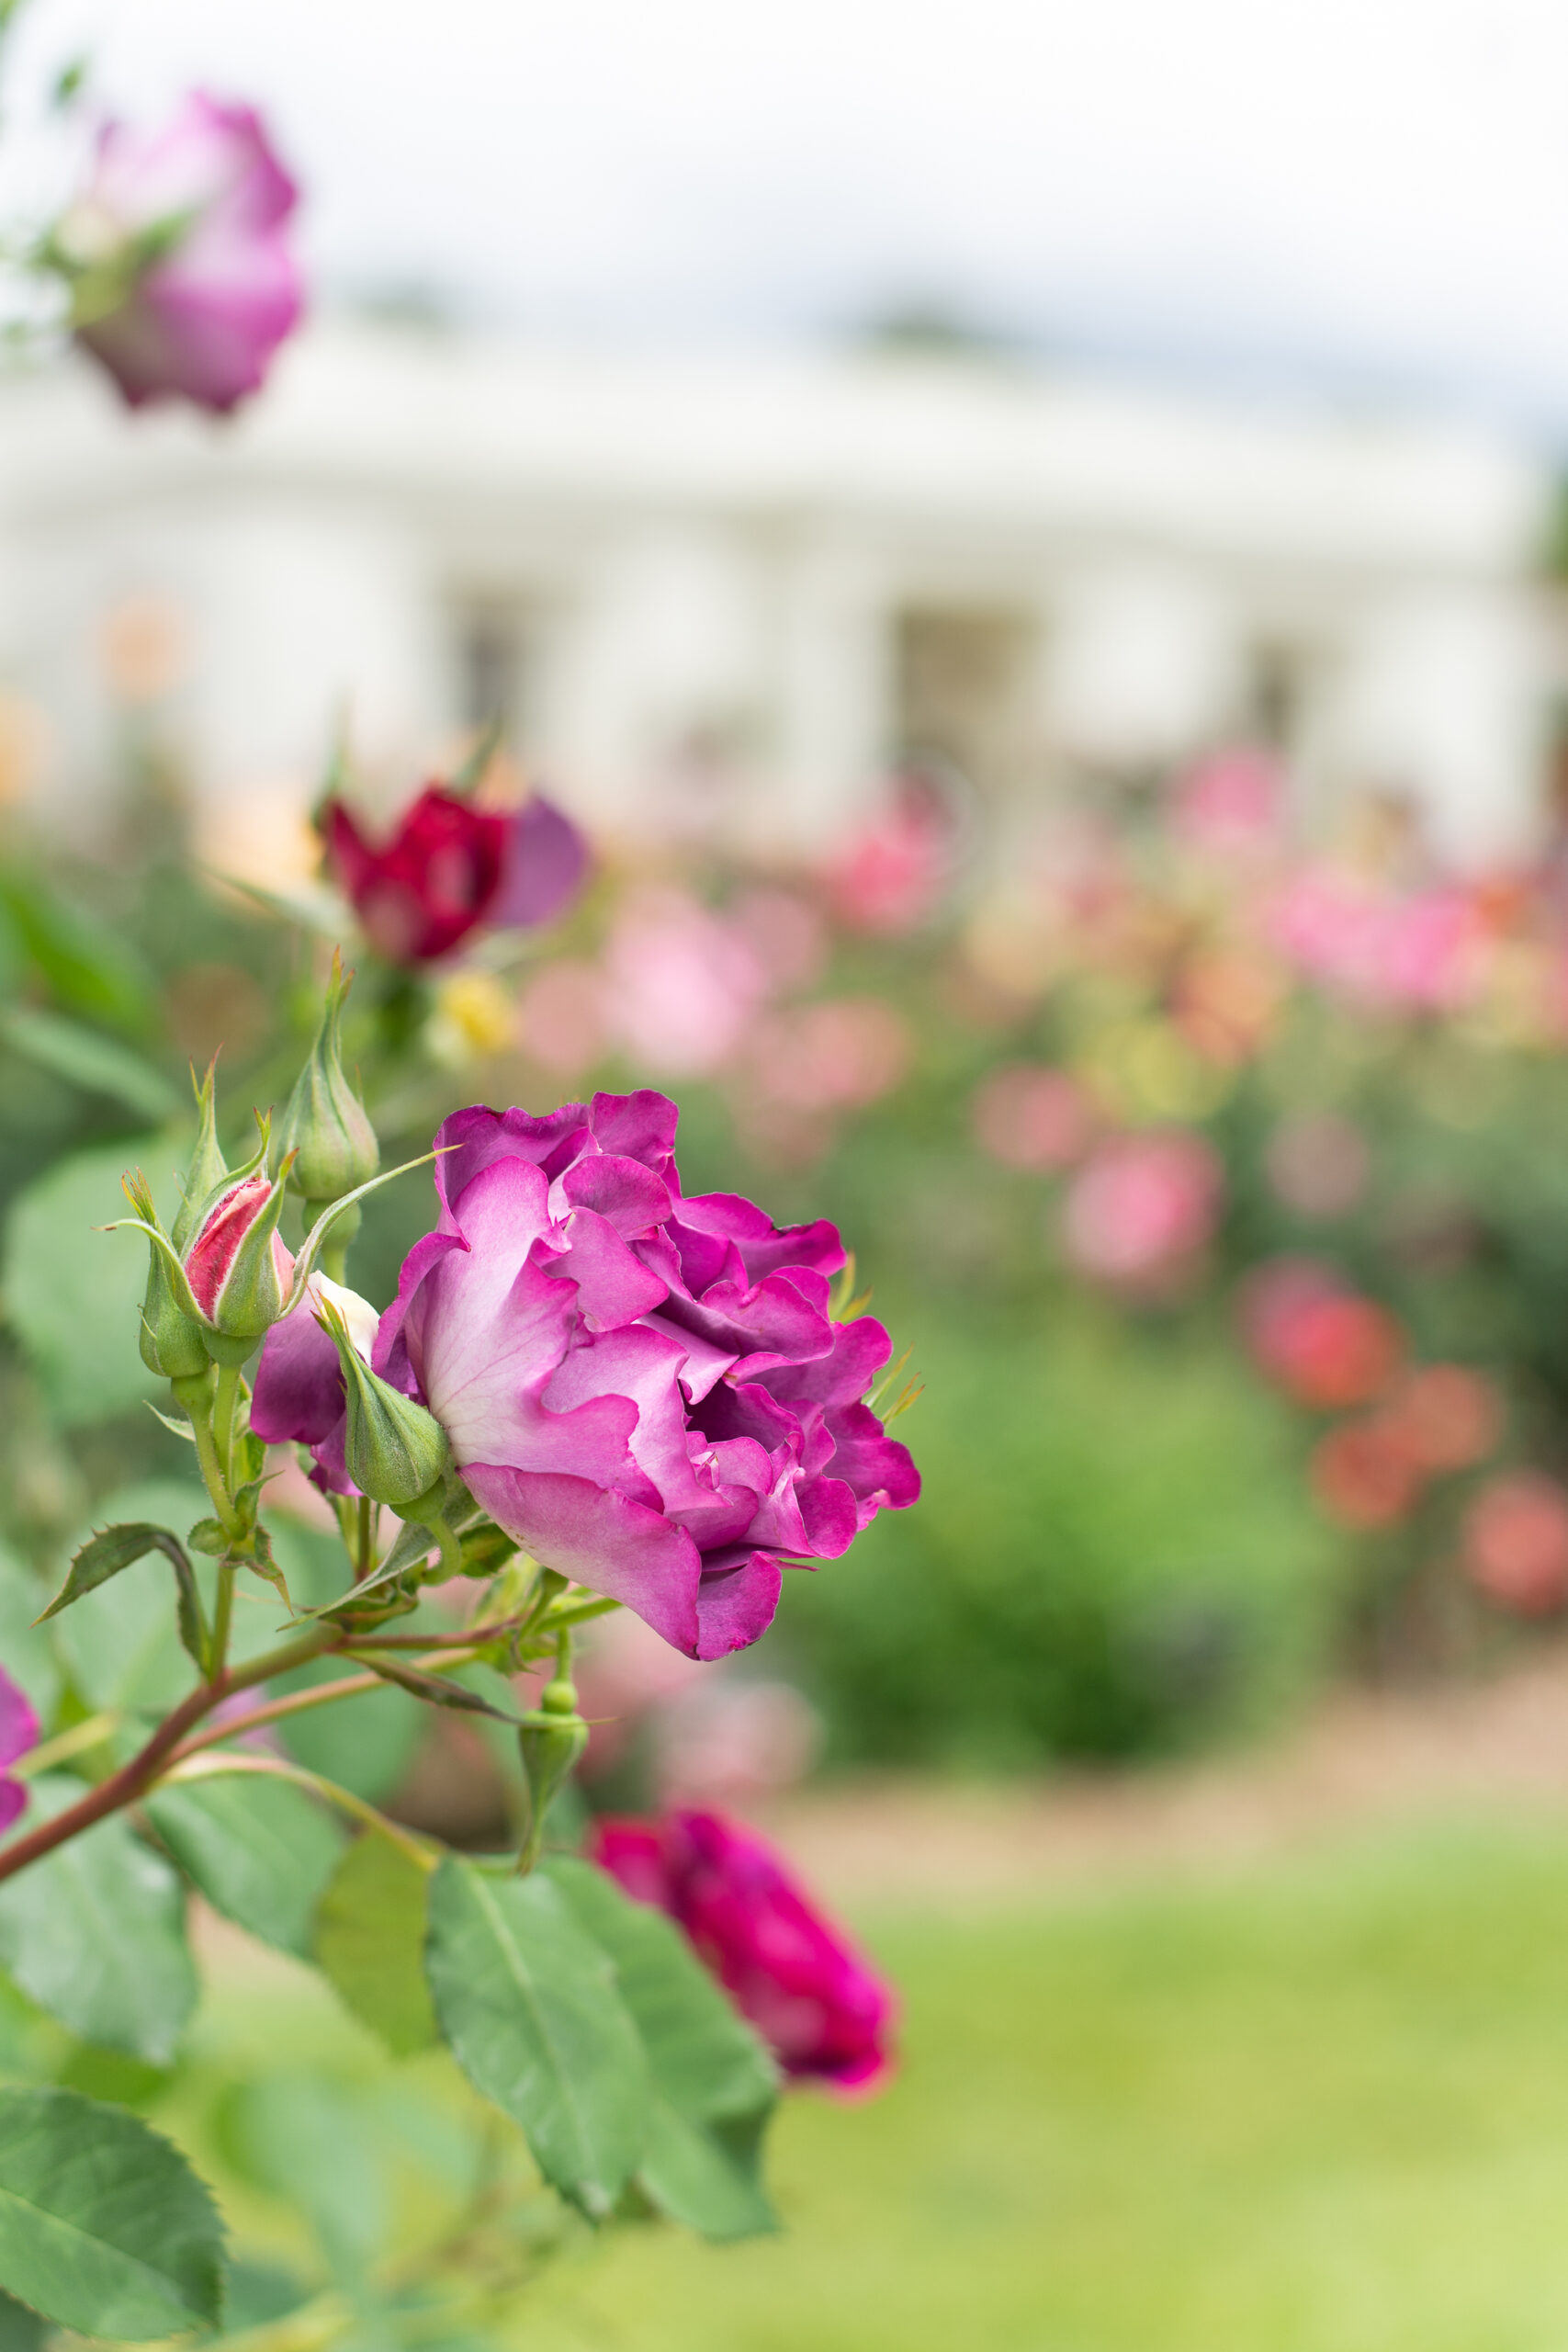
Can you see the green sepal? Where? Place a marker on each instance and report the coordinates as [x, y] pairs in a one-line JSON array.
[[396, 1451], [207, 1169], [325, 1124], [170, 1343]]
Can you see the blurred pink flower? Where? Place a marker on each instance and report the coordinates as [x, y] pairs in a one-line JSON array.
[[1448, 1417], [1142, 1206], [837, 1054], [682, 985], [18, 1732], [786, 1967], [729, 1741], [1317, 1163], [1516, 1542], [1363, 1473], [1316, 1338], [1418, 953], [196, 215], [786, 932], [1233, 802], [890, 877], [1030, 1116], [561, 1017]]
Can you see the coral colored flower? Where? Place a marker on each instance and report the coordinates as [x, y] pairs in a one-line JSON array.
[[837, 1055], [647, 1392], [1449, 1418], [1032, 1117], [1324, 1345], [827, 2015], [183, 235], [1142, 1206], [18, 1732], [1363, 1473], [450, 866], [1515, 1543]]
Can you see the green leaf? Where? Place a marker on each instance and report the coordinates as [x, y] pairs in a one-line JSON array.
[[366, 1744], [73, 1296], [260, 1850], [714, 2083], [305, 2139], [528, 2003], [104, 2227], [369, 1944], [439, 1691], [88, 968], [94, 1934], [121, 1647], [20, 2329], [114, 1548], [98, 1064]]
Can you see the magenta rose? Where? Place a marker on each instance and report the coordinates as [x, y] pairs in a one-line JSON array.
[[18, 1732], [178, 256], [795, 1974], [647, 1392], [448, 866]]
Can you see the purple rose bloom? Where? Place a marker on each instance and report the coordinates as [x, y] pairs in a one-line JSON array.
[[824, 2014], [196, 213], [18, 1732], [648, 1393]]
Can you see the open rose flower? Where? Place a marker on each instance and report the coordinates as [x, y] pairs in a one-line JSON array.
[[182, 280], [18, 1732], [449, 867], [648, 1393], [795, 1974]]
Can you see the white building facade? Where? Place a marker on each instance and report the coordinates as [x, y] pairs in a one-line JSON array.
[[725, 594]]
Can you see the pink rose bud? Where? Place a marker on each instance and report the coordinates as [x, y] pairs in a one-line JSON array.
[[792, 1971], [237, 1269], [182, 285]]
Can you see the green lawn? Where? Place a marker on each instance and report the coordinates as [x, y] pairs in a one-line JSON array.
[[1320, 2108]]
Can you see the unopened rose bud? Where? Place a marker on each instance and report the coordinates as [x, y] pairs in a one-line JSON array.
[[395, 1452], [548, 1750], [238, 1269], [325, 1124]]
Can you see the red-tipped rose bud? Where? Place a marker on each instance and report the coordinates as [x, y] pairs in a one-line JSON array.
[[238, 1269]]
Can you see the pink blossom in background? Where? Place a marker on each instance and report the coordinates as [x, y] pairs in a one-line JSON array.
[[682, 985], [1033, 1117], [1448, 1417], [201, 320], [1363, 1475], [786, 932], [836, 1056], [1321, 1342], [1516, 1542], [1142, 1208], [892, 875], [1318, 1163], [624, 1673], [18, 1732], [825, 2012], [729, 1741], [562, 1018], [1415, 954], [1232, 803]]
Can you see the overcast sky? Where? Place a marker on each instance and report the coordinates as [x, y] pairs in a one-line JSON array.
[[1365, 195]]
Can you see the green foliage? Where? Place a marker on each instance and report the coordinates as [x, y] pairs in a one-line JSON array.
[[68, 1291], [104, 2228], [370, 1927], [260, 1850], [94, 1933], [713, 2084], [527, 2001], [1108, 1558], [98, 1065]]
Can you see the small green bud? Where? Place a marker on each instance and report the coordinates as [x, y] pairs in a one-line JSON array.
[[549, 1751], [395, 1452], [207, 1168], [325, 1124]]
